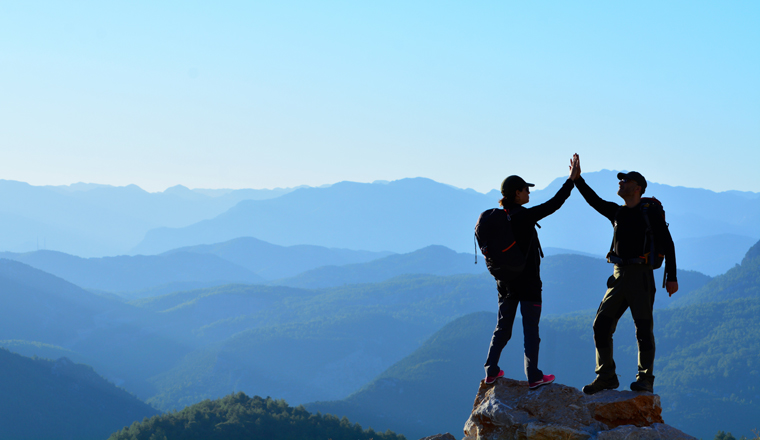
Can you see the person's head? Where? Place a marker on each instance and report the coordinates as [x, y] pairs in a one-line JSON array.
[[515, 190], [630, 184]]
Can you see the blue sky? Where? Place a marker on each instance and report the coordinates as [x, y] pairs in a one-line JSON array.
[[276, 94]]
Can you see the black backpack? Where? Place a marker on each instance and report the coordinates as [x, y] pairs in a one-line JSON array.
[[656, 254], [493, 232]]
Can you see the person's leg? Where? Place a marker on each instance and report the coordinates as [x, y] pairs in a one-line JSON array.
[[610, 310], [501, 334], [640, 299], [531, 315]]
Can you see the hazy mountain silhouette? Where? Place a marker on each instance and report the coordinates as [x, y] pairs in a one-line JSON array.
[[432, 260], [271, 261], [133, 273], [96, 220], [125, 343], [61, 400], [409, 214], [399, 216], [571, 282]]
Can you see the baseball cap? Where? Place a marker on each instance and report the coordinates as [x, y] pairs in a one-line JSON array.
[[636, 177], [512, 184]]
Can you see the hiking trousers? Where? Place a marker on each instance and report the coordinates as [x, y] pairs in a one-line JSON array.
[[531, 315], [631, 287]]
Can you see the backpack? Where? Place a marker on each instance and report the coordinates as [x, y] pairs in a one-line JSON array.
[[653, 252], [493, 232]]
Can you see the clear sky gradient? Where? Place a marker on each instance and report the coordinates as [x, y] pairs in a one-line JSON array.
[[285, 93]]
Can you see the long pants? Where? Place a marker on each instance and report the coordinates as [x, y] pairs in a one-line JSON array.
[[629, 287], [531, 315]]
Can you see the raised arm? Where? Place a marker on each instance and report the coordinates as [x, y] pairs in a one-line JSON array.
[[547, 208], [607, 209]]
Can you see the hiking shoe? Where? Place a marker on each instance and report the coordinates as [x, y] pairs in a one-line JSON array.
[[642, 385], [492, 379], [601, 384], [548, 378]]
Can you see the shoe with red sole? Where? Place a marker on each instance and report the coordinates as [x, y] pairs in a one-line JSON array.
[[548, 378], [492, 379]]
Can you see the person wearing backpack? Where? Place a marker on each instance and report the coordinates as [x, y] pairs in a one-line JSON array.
[[523, 288], [640, 232]]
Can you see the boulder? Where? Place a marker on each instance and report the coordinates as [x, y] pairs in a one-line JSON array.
[[508, 409]]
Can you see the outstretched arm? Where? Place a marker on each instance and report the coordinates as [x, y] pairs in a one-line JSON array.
[[538, 212], [607, 209]]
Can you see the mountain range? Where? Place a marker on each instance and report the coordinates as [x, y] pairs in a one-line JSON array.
[[177, 349], [91, 220], [409, 214], [713, 229]]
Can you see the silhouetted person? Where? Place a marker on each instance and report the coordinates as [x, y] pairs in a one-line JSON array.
[[525, 290], [632, 283]]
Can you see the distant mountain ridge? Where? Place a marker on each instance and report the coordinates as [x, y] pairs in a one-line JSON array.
[[132, 273], [89, 220], [242, 260], [92, 220], [374, 217], [431, 260], [409, 214], [273, 262]]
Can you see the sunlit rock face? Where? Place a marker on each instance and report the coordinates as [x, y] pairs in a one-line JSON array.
[[509, 410]]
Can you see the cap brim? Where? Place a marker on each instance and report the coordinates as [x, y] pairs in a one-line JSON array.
[[529, 184], [622, 176]]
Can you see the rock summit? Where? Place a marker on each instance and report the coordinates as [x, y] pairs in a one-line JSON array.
[[509, 410]]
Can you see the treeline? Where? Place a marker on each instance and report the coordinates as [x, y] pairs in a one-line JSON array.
[[238, 416], [721, 435]]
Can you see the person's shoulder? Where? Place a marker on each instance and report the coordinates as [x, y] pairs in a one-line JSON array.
[[515, 209]]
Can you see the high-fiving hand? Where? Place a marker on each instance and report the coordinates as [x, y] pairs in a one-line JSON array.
[[575, 167]]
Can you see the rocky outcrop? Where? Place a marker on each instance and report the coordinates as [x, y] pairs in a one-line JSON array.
[[509, 410]]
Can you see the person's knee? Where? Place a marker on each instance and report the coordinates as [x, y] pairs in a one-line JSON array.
[[603, 326], [644, 334], [502, 335]]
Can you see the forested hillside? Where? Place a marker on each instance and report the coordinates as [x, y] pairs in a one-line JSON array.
[[239, 417], [742, 281], [61, 400], [176, 349], [707, 367]]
